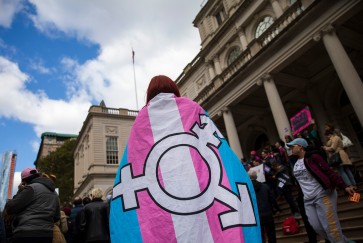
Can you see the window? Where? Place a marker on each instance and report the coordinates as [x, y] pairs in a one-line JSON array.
[[220, 16], [236, 51], [111, 150], [263, 26]]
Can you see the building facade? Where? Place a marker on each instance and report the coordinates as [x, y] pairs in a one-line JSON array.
[[7, 170], [50, 142], [99, 148], [262, 61]]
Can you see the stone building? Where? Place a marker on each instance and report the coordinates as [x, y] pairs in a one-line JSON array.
[[50, 142], [99, 148], [263, 61]]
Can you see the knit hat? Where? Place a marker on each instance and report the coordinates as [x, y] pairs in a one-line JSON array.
[[28, 172]]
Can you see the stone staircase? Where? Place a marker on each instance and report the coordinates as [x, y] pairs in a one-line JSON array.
[[350, 215]]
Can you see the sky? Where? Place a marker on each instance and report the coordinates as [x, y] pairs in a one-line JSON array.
[[59, 57]]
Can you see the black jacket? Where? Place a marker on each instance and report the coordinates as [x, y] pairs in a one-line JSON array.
[[35, 209], [265, 201], [94, 221]]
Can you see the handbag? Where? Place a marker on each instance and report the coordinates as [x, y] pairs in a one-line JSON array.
[[334, 160], [346, 141]]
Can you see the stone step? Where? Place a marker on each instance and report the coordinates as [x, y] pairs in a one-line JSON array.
[[350, 215]]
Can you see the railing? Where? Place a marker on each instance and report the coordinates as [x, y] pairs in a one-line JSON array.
[[113, 111], [280, 24], [288, 17]]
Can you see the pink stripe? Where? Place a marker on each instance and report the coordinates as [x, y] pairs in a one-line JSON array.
[[155, 224], [233, 234]]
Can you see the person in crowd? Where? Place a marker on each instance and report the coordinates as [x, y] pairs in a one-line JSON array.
[[267, 160], [60, 226], [282, 153], [35, 208], [329, 126], [86, 200], [2, 228], [284, 186], [69, 234], [75, 218], [8, 221], [78, 206], [94, 219], [169, 116], [245, 164], [266, 205], [335, 145], [318, 184]]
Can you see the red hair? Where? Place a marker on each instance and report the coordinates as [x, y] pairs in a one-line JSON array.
[[161, 84]]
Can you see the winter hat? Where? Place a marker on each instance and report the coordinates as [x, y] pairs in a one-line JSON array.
[[28, 172]]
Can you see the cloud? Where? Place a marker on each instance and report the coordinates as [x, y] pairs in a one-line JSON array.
[[160, 32], [38, 65], [65, 116], [35, 145], [8, 9]]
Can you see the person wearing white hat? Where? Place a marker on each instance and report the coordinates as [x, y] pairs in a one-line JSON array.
[[35, 208]]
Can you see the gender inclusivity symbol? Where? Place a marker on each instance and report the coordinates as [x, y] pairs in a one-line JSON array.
[[203, 139]]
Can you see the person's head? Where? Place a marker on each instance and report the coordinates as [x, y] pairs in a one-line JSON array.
[[96, 193], [298, 146], [279, 143], [252, 174], [264, 153], [161, 84], [29, 174], [329, 133], [67, 211], [288, 138], [77, 201], [86, 200], [305, 132], [256, 162], [329, 126]]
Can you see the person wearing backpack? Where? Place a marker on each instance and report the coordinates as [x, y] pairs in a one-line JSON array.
[[318, 183]]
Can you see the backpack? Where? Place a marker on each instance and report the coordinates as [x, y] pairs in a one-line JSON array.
[[290, 226]]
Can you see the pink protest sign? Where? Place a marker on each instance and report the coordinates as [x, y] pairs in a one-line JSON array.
[[301, 120]]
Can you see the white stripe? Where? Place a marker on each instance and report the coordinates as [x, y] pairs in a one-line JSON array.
[[177, 169]]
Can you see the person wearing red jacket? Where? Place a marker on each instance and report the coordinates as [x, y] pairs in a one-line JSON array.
[[318, 183]]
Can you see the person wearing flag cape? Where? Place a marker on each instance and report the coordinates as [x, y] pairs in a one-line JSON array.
[[178, 180]]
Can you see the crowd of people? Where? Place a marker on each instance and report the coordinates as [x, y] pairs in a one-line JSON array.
[[302, 162], [34, 214]]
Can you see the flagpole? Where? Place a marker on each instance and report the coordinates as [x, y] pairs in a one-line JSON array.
[[133, 65]]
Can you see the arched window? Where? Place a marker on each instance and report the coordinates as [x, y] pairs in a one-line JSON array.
[[263, 25], [235, 52]]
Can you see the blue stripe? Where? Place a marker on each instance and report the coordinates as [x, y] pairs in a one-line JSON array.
[[236, 173], [124, 226]]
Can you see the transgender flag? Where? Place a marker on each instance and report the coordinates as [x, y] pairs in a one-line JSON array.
[[179, 181]]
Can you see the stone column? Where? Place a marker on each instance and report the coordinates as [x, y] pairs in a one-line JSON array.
[[277, 8], [242, 38], [231, 132], [217, 65], [348, 75], [319, 110], [277, 108]]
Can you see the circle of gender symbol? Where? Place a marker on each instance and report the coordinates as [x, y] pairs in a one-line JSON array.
[[176, 203]]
